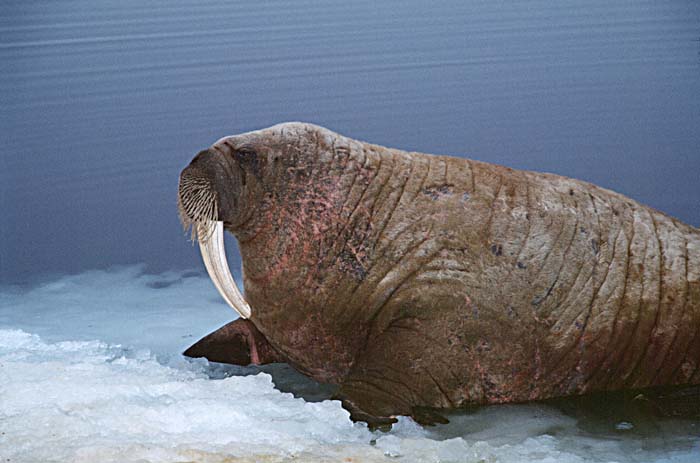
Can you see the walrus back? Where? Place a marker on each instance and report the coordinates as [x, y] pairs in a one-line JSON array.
[[607, 290], [625, 286]]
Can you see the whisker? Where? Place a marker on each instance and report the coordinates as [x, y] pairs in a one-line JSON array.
[[197, 205]]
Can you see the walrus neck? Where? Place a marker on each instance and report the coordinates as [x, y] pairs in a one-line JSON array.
[[304, 257]]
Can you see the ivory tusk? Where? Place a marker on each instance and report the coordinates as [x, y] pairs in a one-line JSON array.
[[210, 235]]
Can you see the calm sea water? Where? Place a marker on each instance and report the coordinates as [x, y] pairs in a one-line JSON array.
[[103, 103]]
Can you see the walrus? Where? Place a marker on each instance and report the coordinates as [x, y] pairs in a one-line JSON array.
[[418, 282]]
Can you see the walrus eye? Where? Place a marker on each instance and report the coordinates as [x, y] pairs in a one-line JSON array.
[[246, 154], [248, 159]]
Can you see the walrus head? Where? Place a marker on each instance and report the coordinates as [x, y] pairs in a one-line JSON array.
[[217, 191], [223, 188]]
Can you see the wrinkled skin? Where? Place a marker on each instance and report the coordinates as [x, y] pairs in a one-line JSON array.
[[414, 280]]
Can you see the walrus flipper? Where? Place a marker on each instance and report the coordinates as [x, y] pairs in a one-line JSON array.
[[379, 410], [387, 380], [369, 405], [238, 342]]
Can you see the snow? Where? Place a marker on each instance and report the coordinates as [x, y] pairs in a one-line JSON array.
[[90, 370]]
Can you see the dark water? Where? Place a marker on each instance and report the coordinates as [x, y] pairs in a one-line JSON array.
[[102, 103]]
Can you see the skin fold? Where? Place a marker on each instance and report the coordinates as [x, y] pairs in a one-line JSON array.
[[418, 281]]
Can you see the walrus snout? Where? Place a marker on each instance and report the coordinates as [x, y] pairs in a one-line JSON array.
[[208, 195], [208, 189]]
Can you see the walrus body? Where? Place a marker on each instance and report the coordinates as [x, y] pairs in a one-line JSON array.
[[415, 280]]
